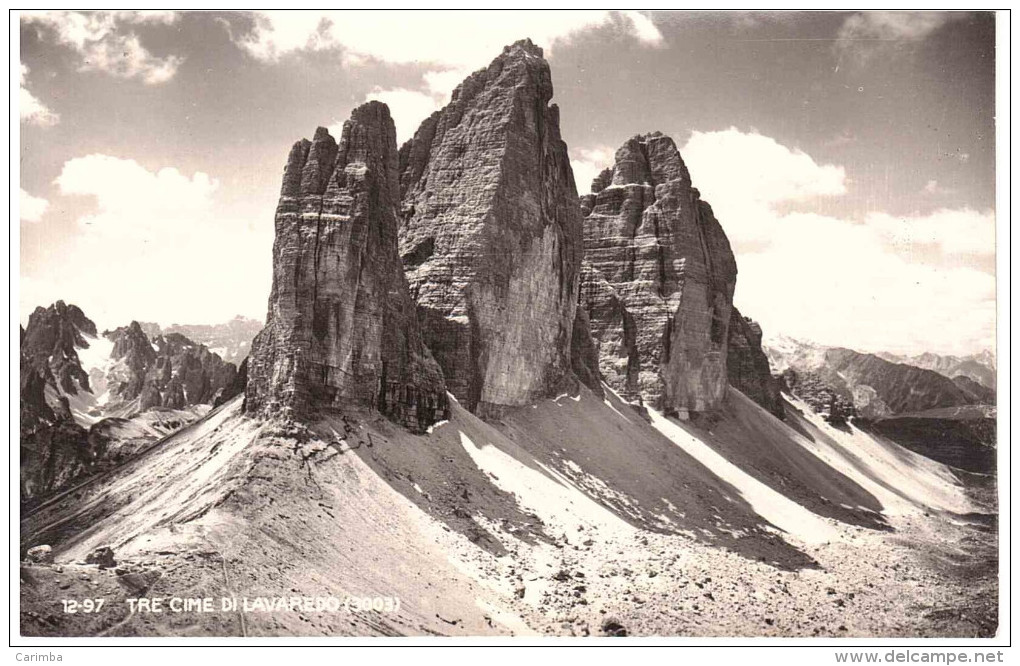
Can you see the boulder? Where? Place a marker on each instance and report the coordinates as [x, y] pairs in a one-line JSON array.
[[40, 554], [101, 557]]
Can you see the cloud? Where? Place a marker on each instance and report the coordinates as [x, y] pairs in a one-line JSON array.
[[449, 44], [155, 246], [589, 163], [133, 201], [953, 233], [866, 34], [746, 176], [644, 28], [882, 283], [106, 42], [454, 43], [408, 108], [33, 111], [31, 208], [836, 282]]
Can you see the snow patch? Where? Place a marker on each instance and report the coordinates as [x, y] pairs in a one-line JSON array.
[[901, 480], [550, 496], [437, 424], [784, 513]]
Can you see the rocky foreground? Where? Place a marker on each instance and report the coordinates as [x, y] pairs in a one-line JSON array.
[[520, 528]]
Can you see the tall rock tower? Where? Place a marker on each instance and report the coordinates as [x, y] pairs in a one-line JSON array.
[[341, 328], [491, 235], [658, 280]]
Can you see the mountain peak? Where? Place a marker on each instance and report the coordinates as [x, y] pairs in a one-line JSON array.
[[495, 281], [661, 279], [524, 47], [341, 330]]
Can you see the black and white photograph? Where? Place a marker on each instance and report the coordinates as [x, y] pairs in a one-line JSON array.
[[511, 328]]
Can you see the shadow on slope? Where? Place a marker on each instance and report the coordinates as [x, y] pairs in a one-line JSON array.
[[354, 505], [604, 449], [768, 449], [964, 443], [901, 480], [234, 507]]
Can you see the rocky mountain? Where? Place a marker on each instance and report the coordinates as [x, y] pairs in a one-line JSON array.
[[948, 420], [521, 501], [978, 393], [91, 400], [53, 446], [822, 390], [342, 329], [979, 368], [747, 366], [658, 280], [170, 371], [231, 340], [877, 387], [491, 235], [881, 388], [52, 340]]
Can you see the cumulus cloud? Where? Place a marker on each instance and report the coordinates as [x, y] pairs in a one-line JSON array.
[[465, 39], [107, 42], [449, 44], [746, 175], [408, 108], [588, 163], [155, 246], [133, 201], [837, 282], [882, 283], [866, 34], [33, 111], [31, 209], [952, 232]]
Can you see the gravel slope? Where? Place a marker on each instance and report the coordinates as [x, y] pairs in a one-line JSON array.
[[576, 516]]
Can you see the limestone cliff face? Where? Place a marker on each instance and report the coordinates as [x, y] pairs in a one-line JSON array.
[[52, 338], [169, 371], [75, 383], [53, 446], [491, 235], [748, 368], [659, 284], [341, 327]]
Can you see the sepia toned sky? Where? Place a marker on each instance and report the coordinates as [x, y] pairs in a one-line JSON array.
[[849, 156]]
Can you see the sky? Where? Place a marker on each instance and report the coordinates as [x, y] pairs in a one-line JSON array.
[[850, 157]]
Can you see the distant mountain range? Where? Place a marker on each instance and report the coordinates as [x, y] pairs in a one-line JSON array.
[[946, 416], [230, 340], [89, 400], [979, 368], [880, 386]]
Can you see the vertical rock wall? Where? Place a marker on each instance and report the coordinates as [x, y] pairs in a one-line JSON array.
[[491, 235], [659, 280], [341, 327], [747, 366]]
